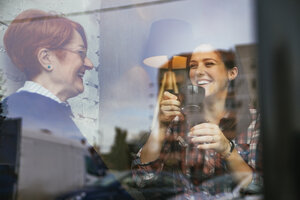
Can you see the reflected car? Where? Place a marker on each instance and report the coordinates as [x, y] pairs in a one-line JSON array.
[[107, 188], [121, 186]]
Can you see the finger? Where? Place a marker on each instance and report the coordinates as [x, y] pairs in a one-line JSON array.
[[203, 139], [202, 132], [170, 102], [170, 108], [205, 125], [207, 146], [171, 113], [168, 95], [169, 116]]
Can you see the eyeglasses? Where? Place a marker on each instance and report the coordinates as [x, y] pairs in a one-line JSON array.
[[81, 53]]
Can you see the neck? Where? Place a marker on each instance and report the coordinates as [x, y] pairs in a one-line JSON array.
[[52, 87], [214, 107]]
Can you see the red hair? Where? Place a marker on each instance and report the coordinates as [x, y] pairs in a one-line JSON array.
[[32, 30]]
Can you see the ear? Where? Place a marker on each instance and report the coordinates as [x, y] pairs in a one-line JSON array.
[[232, 73], [44, 57]]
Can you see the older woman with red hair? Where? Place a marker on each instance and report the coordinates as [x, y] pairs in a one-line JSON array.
[[51, 51]]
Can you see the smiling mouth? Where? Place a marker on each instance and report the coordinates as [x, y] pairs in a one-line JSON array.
[[203, 82], [80, 74]]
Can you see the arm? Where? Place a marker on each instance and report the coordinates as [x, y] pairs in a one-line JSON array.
[[169, 109], [253, 152], [241, 171], [151, 150], [146, 166]]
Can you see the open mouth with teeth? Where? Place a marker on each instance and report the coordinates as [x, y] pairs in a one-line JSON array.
[[203, 82], [80, 74]]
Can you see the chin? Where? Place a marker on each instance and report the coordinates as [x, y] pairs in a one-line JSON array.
[[77, 91], [80, 88]]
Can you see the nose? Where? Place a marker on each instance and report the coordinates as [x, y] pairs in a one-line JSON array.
[[200, 70], [88, 63]]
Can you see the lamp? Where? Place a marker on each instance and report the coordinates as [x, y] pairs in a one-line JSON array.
[[167, 38]]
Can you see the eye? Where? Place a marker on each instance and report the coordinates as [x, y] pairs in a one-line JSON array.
[[82, 54], [193, 66], [209, 64]]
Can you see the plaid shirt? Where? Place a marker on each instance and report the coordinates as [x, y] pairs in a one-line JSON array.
[[195, 168]]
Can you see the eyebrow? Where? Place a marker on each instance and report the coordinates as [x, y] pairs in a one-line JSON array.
[[205, 59]]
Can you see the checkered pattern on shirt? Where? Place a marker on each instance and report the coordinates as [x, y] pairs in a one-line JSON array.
[[198, 165]]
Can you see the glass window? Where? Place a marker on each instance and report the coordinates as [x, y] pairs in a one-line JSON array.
[[158, 96]]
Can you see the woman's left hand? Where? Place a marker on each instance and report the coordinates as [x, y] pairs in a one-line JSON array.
[[209, 136]]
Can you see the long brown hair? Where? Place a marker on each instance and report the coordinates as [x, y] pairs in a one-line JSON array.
[[237, 102]]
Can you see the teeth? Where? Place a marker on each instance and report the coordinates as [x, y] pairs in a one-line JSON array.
[[202, 82], [80, 74]]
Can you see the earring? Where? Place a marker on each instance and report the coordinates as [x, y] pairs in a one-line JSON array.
[[49, 66]]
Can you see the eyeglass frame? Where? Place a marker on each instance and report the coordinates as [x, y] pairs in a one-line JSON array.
[[81, 53]]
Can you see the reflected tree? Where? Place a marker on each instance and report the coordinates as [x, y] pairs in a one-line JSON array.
[[118, 158]]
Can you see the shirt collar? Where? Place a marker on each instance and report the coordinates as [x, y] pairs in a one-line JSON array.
[[34, 87]]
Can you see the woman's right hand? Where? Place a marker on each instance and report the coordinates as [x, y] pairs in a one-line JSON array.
[[169, 108]]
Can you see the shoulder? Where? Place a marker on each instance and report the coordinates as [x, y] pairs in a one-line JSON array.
[[40, 112], [23, 97], [18, 104]]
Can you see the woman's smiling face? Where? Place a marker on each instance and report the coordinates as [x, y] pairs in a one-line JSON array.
[[69, 70], [207, 70]]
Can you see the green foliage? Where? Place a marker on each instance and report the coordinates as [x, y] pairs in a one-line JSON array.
[[119, 156]]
